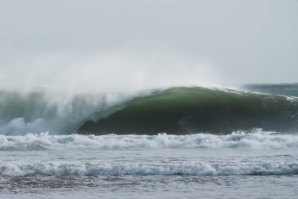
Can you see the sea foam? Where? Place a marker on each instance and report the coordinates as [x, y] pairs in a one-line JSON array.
[[145, 169], [256, 140]]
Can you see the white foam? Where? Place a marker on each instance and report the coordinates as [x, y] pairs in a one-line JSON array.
[[256, 140], [39, 111], [142, 169]]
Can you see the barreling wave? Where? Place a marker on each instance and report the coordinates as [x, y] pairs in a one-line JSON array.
[[180, 110], [254, 140], [189, 110]]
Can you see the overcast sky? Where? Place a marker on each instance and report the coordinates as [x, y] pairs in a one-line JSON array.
[[133, 42]]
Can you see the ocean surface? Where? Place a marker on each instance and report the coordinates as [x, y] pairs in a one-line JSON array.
[[171, 143]]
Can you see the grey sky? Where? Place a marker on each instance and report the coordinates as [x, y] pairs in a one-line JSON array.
[[242, 40]]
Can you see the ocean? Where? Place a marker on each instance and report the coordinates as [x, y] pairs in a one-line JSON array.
[[182, 142]]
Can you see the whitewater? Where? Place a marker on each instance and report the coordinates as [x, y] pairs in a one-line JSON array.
[[45, 151]]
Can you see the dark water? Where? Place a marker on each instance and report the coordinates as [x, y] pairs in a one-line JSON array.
[[182, 110]]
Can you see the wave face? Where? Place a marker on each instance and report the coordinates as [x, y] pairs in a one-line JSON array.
[[190, 110]]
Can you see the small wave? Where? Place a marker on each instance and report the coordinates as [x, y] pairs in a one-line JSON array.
[[145, 169], [257, 139]]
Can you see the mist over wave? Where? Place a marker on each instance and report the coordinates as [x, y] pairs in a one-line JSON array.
[[55, 92], [130, 68], [40, 111]]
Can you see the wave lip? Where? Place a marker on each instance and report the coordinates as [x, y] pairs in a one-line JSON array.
[[144, 169], [254, 140]]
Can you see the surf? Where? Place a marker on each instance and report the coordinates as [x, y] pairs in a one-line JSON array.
[[183, 110], [176, 110], [46, 111], [256, 139]]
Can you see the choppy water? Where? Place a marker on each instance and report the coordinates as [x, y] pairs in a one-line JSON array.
[[240, 165]]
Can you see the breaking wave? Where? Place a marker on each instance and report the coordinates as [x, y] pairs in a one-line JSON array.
[[254, 140], [141, 169], [40, 111], [187, 110], [180, 110]]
